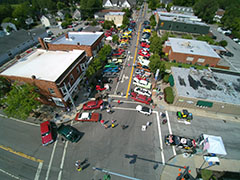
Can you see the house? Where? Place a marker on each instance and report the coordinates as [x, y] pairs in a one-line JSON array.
[[218, 15], [212, 89], [29, 21], [116, 17], [91, 42], [19, 41], [190, 52], [48, 20], [100, 16], [76, 14], [52, 72], [119, 3], [60, 15], [180, 23]]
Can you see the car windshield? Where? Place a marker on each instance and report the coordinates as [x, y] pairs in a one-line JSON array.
[[45, 134], [145, 109]]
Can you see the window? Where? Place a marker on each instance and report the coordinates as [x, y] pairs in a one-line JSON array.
[[190, 59], [78, 70], [71, 77], [68, 85], [58, 102], [51, 90], [63, 90], [201, 60]]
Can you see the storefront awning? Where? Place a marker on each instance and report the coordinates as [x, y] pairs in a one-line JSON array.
[[204, 103]]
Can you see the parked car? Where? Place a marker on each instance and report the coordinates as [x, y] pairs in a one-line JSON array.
[[141, 98], [111, 65], [144, 54], [115, 60], [143, 61], [142, 83], [143, 67], [86, 116], [46, 133], [142, 91], [69, 133], [116, 69], [145, 45], [105, 80], [144, 110], [95, 104], [110, 75]]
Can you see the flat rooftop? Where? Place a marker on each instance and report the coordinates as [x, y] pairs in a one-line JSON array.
[[194, 47], [45, 65], [207, 85], [116, 13], [83, 38]]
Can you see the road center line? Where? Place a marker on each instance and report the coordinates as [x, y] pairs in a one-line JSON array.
[[160, 137], [51, 159], [170, 132]]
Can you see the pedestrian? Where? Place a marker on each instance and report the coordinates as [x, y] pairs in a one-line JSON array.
[[119, 101], [102, 122], [148, 123], [101, 107], [113, 125], [106, 126], [113, 121]]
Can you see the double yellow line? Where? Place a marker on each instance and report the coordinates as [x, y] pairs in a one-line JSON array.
[[135, 55]]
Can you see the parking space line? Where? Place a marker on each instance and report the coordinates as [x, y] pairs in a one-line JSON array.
[[51, 159], [7, 173], [38, 171], [160, 137], [170, 132]]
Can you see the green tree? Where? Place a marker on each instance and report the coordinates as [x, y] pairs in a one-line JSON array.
[[128, 12], [206, 9], [88, 8], [108, 24], [115, 38], [156, 63], [156, 43], [125, 20], [60, 5], [187, 3], [187, 36], [21, 101], [152, 21], [152, 4], [94, 22], [223, 43], [5, 11], [206, 38], [5, 86]]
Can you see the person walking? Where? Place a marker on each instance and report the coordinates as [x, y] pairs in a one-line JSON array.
[[78, 165], [119, 102], [113, 125]]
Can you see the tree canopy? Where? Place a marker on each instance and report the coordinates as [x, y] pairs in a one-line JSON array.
[[5, 86], [89, 7], [156, 43], [20, 101], [156, 63]]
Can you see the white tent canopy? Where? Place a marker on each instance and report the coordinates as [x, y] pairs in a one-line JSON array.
[[109, 38], [214, 144]]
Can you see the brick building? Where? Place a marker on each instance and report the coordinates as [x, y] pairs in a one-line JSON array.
[[190, 52], [51, 72], [91, 42]]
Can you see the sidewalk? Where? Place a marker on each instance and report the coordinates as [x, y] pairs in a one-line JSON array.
[[171, 169]]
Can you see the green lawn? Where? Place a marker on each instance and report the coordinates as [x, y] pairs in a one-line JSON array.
[[170, 64]]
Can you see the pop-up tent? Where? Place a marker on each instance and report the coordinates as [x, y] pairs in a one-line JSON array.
[[214, 144]]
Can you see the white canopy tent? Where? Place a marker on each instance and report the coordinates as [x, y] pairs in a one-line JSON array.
[[214, 144], [109, 38]]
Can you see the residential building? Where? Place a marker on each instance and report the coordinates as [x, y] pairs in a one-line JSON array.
[[19, 41], [211, 89], [180, 23], [91, 42], [76, 14], [190, 52], [116, 17], [100, 16], [60, 15], [52, 72], [48, 20], [218, 15], [119, 3]]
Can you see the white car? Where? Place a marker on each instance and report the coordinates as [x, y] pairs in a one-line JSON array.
[[142, 83], [142, 91], [143, 109], [143, 61]]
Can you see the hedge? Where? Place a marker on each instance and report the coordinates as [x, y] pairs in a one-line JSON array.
[[165, 78], [168, 94]]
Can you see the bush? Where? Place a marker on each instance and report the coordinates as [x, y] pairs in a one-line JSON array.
[[223, 43], [165, 78], [168, 94]]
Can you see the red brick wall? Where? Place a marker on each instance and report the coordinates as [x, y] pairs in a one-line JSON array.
[[180, 57]]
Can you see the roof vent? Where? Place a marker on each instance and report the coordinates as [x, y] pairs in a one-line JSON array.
[[78, 43], [33, 77]]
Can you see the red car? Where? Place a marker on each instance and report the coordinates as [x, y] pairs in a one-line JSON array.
[[86, 116], [145, 45], [144, 54], [108, 33], [141, 77], [117, 53], [99, 88], [95, 104], [141, 98], [46, 133]]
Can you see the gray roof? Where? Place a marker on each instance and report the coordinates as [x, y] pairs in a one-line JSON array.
[[83, 38], [17, 38], [207, 85], [92, 29], [194, 47]]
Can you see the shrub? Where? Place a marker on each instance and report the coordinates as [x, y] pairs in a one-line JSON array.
[[168, 94], [165, 78]]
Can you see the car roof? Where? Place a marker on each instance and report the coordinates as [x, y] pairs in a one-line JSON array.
[[85, 115], [140, 96], [143, 82], [90, 103], [44, 127], [146, 109]]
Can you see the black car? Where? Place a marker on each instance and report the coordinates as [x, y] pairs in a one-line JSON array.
[[229, 54], [105, 80], [70, 133]]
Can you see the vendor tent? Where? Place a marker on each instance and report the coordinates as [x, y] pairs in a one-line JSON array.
[[214, 144], [109, 38]]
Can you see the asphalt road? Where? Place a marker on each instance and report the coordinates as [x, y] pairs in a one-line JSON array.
[[232, 62]]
